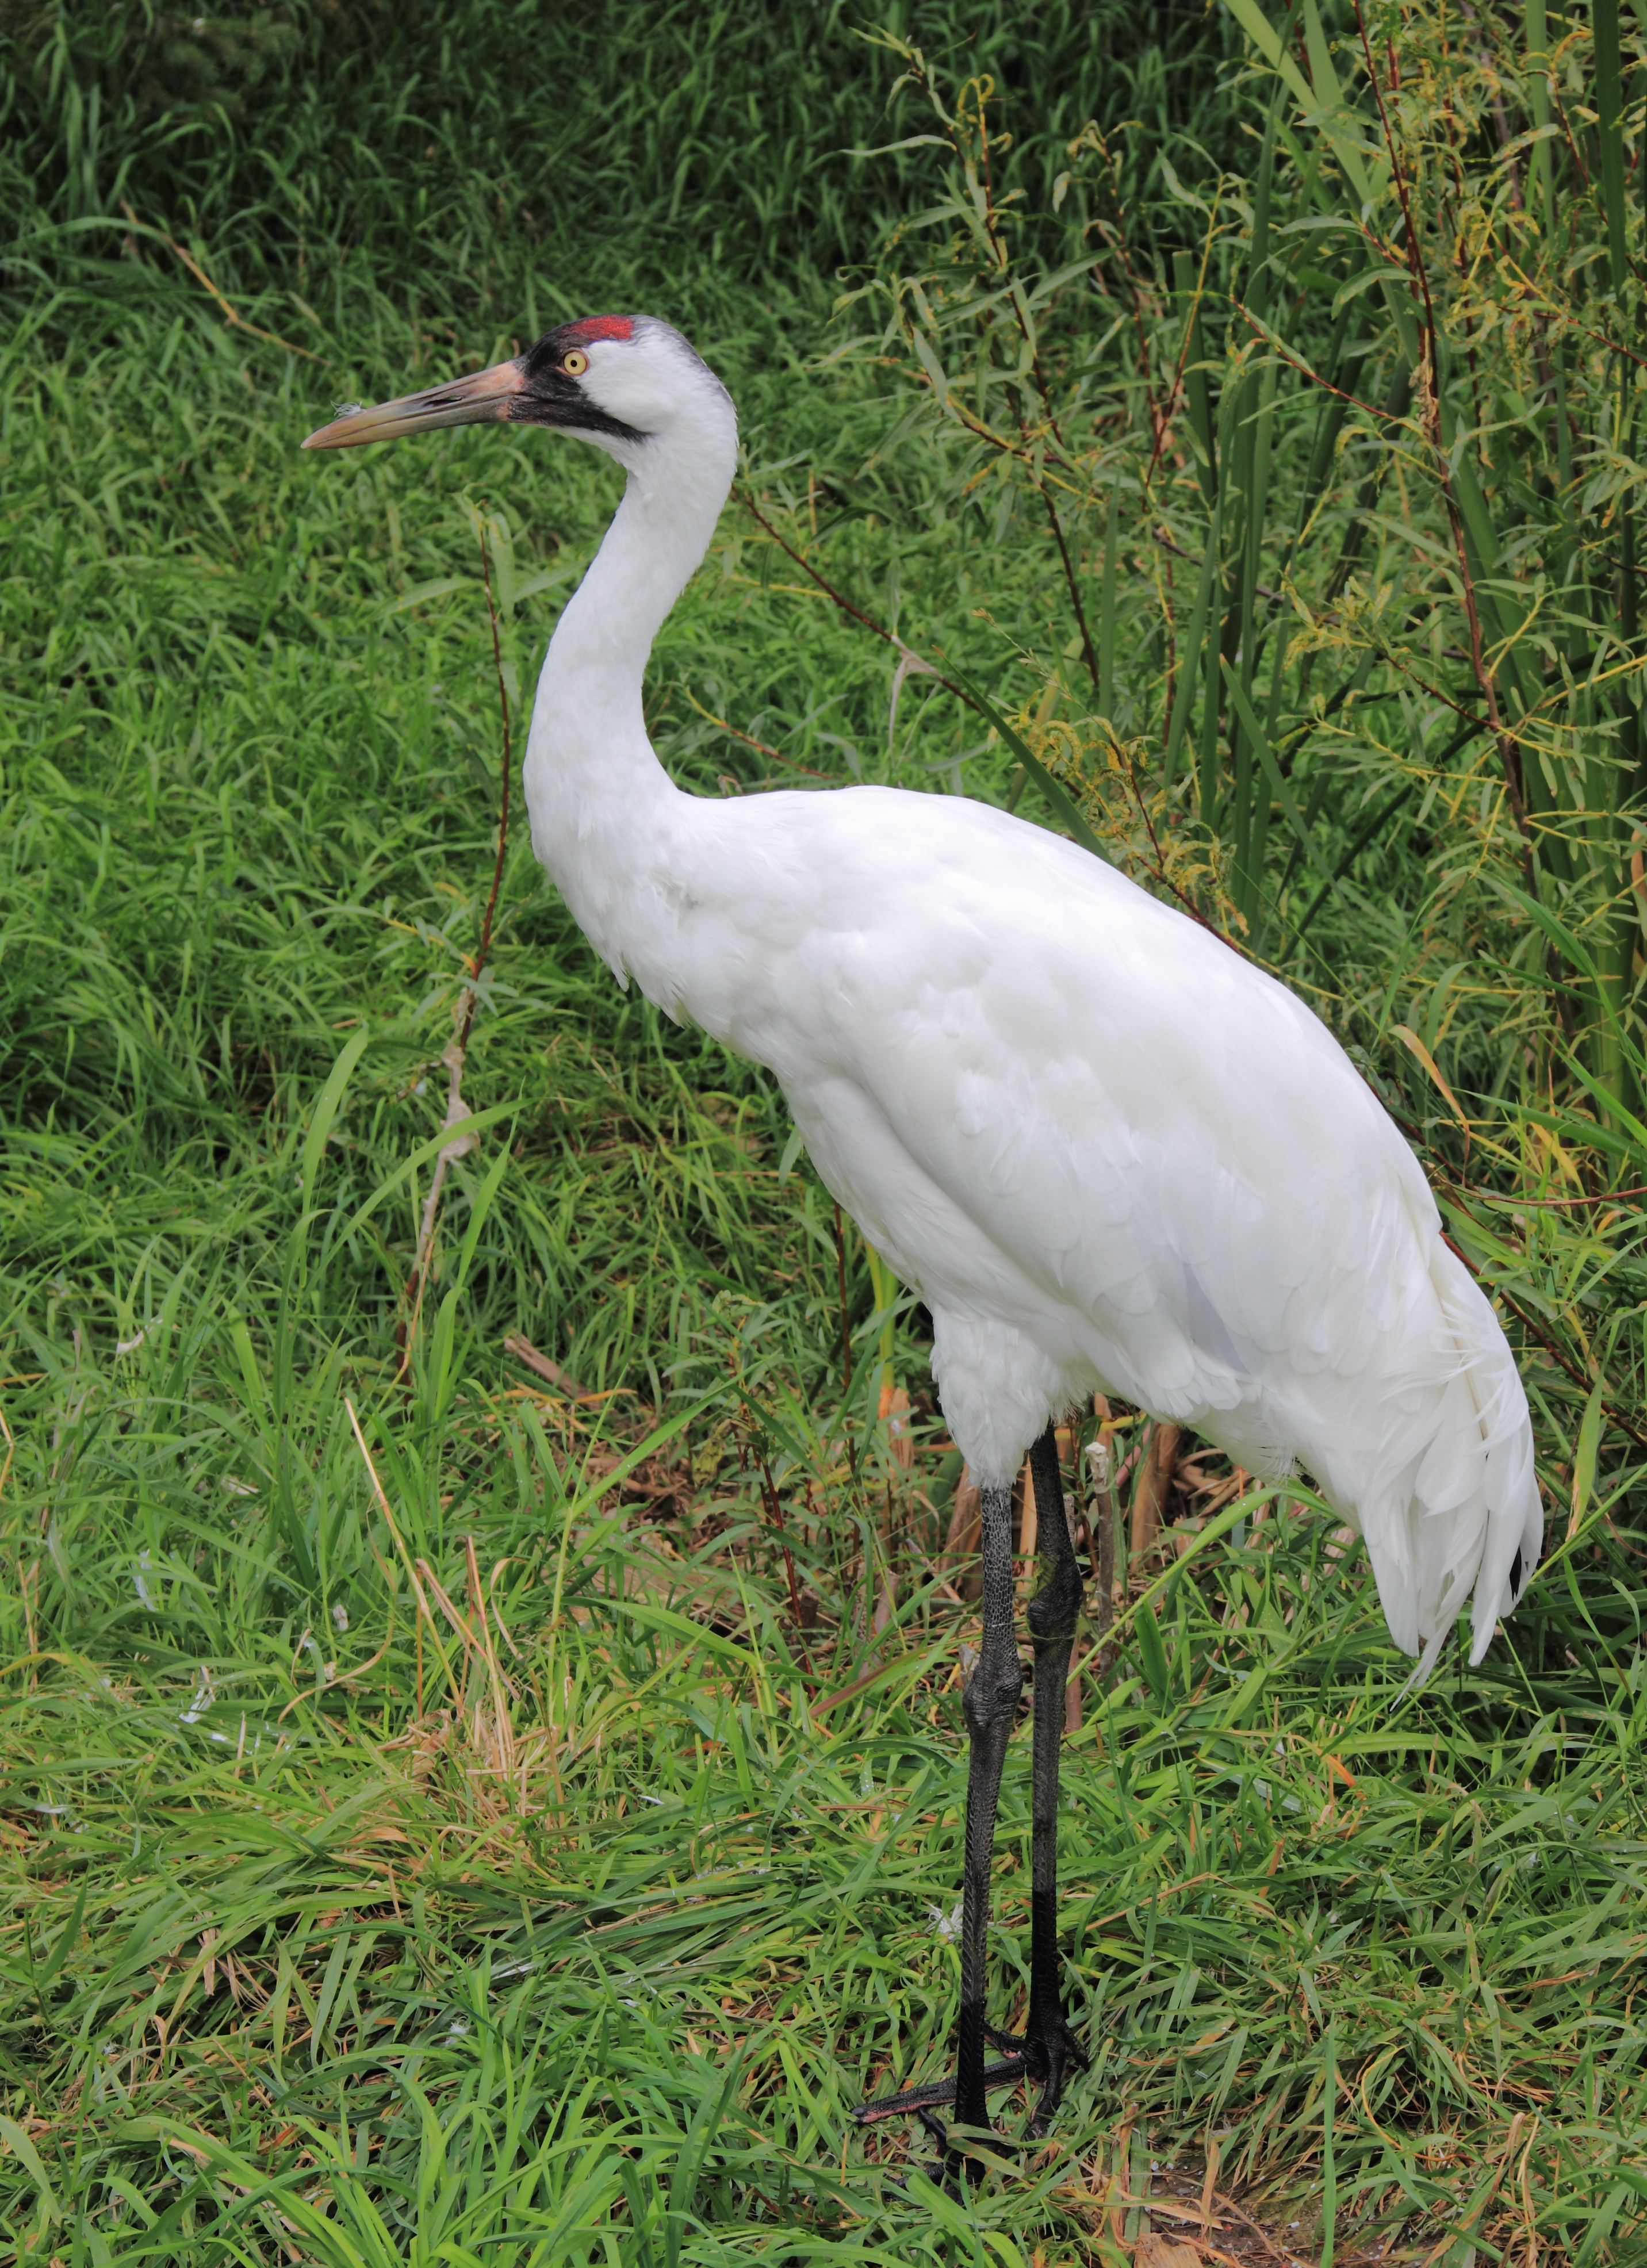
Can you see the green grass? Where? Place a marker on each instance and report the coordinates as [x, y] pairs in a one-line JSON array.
[[348, 1918]]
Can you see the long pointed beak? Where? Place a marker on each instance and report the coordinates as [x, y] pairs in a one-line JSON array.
[[485, 399]]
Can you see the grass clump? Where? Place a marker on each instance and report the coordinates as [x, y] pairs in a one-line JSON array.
[[452, 1803]]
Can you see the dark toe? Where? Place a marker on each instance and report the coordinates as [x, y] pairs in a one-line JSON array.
[[914, 2100]]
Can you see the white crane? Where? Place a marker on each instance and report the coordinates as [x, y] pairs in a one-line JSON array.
[[1109, 1153]]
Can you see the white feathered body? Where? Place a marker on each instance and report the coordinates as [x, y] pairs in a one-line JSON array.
[[1106, 1151]]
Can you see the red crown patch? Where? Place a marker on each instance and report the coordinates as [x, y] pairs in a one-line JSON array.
[[601, 327]]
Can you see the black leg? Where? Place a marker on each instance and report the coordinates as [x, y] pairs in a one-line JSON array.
[[990, 1705], [1050, 2045]]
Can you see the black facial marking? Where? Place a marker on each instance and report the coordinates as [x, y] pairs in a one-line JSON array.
[[552, 398], [1515, 1574]]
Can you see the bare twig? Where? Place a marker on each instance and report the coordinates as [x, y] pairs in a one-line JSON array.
[[759, 746], [454, 1054], [773, 1511], [550, 1372], [231, 313], [917, 662], [1003, 259], [1429, 395], [1294, 362]]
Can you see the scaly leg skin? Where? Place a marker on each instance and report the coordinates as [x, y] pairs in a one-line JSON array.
[[1050, 2046], [990, 1706]]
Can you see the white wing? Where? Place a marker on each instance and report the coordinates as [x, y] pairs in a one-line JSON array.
[[1107, 1150]]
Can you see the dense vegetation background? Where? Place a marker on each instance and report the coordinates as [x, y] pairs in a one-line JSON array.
[[451, 1804]]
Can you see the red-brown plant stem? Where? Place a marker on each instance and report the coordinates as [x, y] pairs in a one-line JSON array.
[[773, 1511], [1164, 425], [1003, 263], [463, 1020], [887, 638], [1262, 331], [504, 787], [1157, 419], [869, 623], [1430, 396]]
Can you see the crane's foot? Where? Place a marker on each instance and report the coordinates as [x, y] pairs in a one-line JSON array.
[[1049, 2060], [921, 2101], [1046, 2062]]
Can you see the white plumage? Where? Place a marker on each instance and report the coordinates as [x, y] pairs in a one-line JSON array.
[[1106, 1151]]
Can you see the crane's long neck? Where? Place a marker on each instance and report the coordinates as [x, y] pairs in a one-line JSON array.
[[604, 812]]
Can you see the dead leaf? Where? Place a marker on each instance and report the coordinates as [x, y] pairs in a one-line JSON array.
[[1165, 2253]]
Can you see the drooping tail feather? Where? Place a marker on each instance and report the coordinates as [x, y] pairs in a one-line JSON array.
[[1476, 1521]]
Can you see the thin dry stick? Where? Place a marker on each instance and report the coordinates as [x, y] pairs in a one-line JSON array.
[[1002, 260], [231, 314], [454, 1054], [1175, 396], [889, 637], [749, 741], [1429, 395], [915, 662], [773, 1511], [424, 1615]]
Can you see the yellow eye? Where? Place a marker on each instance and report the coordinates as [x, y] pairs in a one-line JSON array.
[[575, 362]]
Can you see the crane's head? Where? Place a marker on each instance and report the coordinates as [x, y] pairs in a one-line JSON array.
[[620, 381]]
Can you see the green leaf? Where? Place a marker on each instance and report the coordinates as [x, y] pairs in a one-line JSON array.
[[1056, 794], [1585, 1453], [325, 1111], [29, 2156], [421, 593], [1282, 793], [475, 1124], [1151, 1652]]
